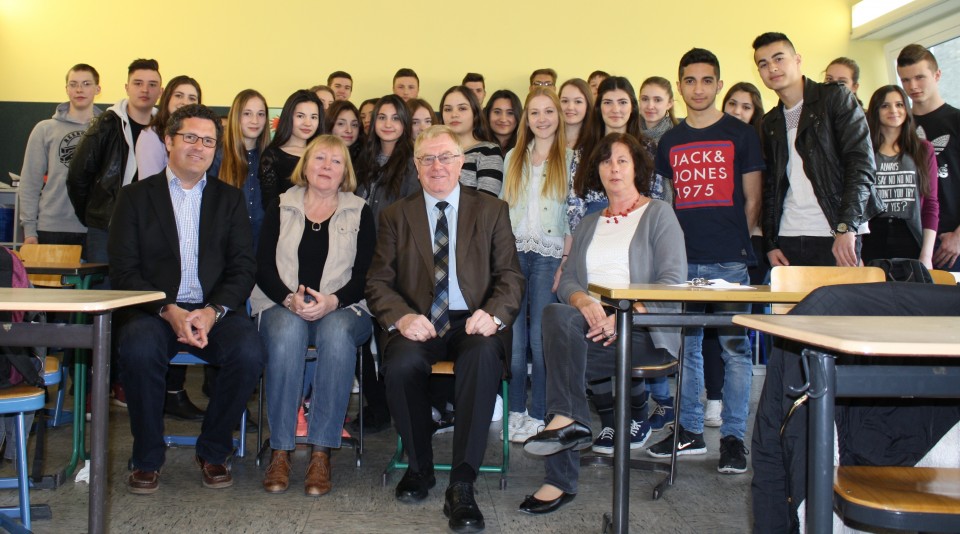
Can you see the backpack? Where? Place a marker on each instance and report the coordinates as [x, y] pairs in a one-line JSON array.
[[903, 270], [18, 365]]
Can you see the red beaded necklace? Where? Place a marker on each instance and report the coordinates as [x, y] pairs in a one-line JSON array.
[[616, 216]]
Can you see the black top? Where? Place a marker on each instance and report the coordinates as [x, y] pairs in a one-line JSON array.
[[312, 256], [276, 167]]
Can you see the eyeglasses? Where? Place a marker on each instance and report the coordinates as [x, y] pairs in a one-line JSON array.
[[189, 138], [445, 159], [85, 85], [544, 84]]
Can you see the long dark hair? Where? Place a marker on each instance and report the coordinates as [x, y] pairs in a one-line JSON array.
[[908, 142], [393, 172], [757, 119], [285, 125], [480, 130], [330, 119], [596, 129], [159, 121], [517, 113]]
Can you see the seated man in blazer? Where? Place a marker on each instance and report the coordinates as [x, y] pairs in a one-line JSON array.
[[445, 284], [186, 234]]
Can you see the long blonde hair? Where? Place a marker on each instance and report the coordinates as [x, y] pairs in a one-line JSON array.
[[233, 169], [555, 174]]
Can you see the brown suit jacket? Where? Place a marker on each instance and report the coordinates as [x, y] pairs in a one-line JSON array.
[[400, 280]]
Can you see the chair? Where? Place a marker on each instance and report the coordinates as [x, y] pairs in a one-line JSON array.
[[21, 400], [31, 253], [806, 279], [943, 277], [925, 499], [185, 358], [396, 462], [263, 451]]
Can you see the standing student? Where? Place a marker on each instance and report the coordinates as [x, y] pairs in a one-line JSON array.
[[906, 181], [300, 121], [151, 152], [342, 84], [45, 211], [576, 102], [366, 113], [715, 163], [482, 160], [595, 79], [475, 82], [844, 71], [537, 177], [325, 94], [939, 123], [343, 121], [543, 78], [245, 138], [503, 114], [656, 107], [422, 116], [406, 84], [818, 190]]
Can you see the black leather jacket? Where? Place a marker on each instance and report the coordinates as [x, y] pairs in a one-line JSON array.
[[96, 170], [833, 141]]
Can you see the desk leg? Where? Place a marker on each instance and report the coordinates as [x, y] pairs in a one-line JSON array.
[[98, 433], [621, 443], [823, 378]]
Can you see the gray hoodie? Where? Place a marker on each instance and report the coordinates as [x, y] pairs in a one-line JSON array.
[[49, 150]]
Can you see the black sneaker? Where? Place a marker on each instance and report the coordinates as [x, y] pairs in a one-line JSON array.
[[733, 459], [689, 443]]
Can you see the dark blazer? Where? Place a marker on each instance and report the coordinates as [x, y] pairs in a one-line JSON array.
[[400, 280], [144, 246]]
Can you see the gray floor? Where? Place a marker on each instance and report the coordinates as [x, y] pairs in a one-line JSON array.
[[702, 500]]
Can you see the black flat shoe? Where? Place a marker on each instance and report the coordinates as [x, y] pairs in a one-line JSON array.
[[461, 508], [534, 506], [178, 406], [573, 436], [415, 486]]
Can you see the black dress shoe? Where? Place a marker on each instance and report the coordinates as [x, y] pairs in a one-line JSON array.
[[534, 506], [178, 406], [461, 507], [573, 436], [415, 485]]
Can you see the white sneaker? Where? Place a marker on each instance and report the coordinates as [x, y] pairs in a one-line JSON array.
[[711, 414], [514, 421], [497, 410], [529, 428]]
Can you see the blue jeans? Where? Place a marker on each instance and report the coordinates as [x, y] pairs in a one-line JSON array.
[[538, 271], [735, 351], [286, 337]]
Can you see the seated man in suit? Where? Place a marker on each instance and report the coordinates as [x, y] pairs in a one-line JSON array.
[[445, 284], [186, 234]]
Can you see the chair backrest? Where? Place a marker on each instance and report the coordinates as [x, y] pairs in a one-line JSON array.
[[806, 279], [943, 277], [31, 253]]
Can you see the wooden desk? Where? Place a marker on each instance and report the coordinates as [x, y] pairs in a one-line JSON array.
[[622, 299], [75, 274], [100, 304], [866, 336]]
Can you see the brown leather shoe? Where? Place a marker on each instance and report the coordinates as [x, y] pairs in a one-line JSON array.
[[318, 475], [143, 482], [215, 476], [277, 477]]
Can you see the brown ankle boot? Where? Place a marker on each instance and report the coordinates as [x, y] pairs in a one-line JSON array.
[[277, 477], [318, 475]]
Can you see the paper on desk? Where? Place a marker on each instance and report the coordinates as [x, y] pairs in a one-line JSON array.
[[716, 283], [83, 475]]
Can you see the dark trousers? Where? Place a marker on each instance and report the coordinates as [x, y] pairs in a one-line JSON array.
[[146, 346], [811, 250], [478, 368]]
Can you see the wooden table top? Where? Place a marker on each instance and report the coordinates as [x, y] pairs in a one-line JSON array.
[[58, 300], [868, 336], [66, 269], [663, 292]]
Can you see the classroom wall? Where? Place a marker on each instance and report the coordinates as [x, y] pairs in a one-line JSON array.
[[282, 45]]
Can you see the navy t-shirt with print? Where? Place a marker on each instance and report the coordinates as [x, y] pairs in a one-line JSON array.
[[706, 166]]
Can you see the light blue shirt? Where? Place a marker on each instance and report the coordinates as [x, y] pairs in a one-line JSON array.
[[186, 210], [455, 296]]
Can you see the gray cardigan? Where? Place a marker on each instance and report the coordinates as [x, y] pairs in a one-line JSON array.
[[657, 256]]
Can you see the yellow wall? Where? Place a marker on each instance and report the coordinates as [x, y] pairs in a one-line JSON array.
[[282, 45]]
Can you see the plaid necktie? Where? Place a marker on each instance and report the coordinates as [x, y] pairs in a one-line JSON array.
[[441, 264]]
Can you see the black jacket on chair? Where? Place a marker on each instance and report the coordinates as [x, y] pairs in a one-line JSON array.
[[833, 141], [144, 245]]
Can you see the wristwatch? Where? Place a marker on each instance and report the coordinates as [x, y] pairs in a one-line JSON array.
[[497, 321], [842, 228], [218, 310]]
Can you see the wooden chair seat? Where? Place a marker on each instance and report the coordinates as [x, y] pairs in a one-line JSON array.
[[943, 277], [913, 498], [442, 368], [806, 279], [67, 254]]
